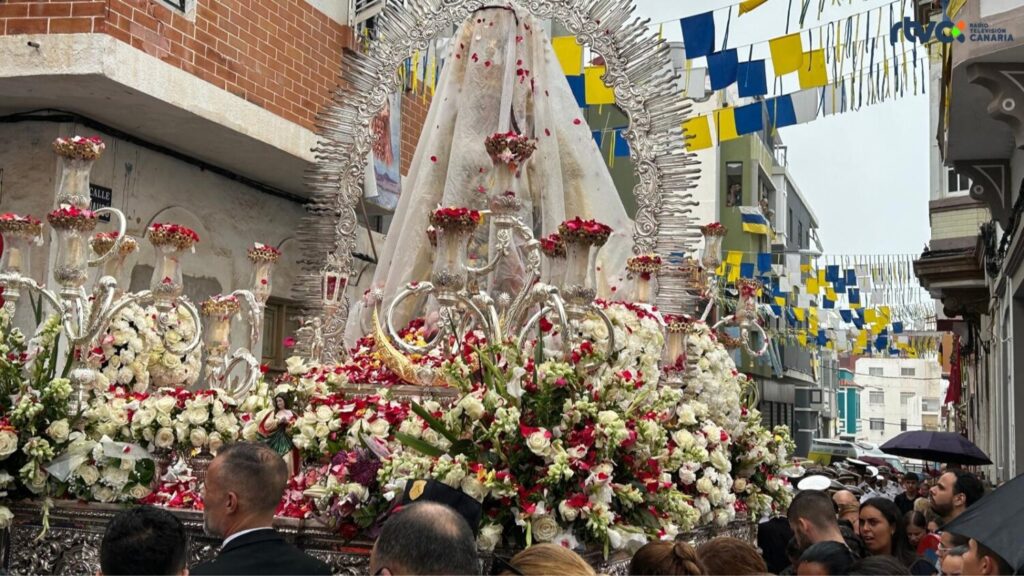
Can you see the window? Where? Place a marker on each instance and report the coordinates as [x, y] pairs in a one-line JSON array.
[[733, 184], [929, 405], [876, 398], [877, 371], [179, 4], [956, 182], [280, 321], [877, 424], [800, 234], [906, 397], [908, 371], [765, 197], [903, 424], [789, 225]]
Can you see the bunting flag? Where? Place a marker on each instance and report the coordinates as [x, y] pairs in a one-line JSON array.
[[753, 220], [621, 145], [698, 34], [812, 73], [693, 81], [787, 53], [578, 86], [722, 67], [597, 93], [750, 79], [725, 124], [750, 5], [598, 138], [569, 53], [780, 111], [749, 118], [697, 132]]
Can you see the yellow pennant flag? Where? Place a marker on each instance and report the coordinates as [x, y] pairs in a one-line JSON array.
[[812, 71], [570, 54], [725, 124], [721, 269], [597, 93], [830, 293], [862, 339], [801, 337], [780, 301], [787, 53], [799, 313], [812, 285], [869, 316], [805, 268], [734, 273], [697, 133], [821, 277], [734, 258], [749, 5]]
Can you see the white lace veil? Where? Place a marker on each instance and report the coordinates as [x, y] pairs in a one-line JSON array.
[[501, 74]]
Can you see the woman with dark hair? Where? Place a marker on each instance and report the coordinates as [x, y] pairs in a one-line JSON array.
[[878, 566], [885, 534], [825, 559], [917, 527], [672, 558]]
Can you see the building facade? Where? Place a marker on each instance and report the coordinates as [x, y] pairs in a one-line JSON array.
[[848, 406], [973, 264], [898, 395]]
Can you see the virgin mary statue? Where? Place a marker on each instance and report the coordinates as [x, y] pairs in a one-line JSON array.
[[501, 75]]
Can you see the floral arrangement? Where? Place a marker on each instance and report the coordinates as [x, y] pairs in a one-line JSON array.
[[552, 246], [584, 231], [178, 489], [172, 236], [11, 223], [510, 148], [102, 242], [179, 419], [263, 253], [125, 351], [759, 454], [748, 288], [68, 217], [168, 368], [714, 229], [644, 265], [220, 306], [332, 423], [677, 323], [79, 148], [105, 470], [455, 219]]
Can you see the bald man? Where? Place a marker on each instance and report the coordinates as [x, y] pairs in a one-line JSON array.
[[847, 508]]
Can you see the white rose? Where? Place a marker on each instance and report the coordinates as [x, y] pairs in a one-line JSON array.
[[164, 438], [144, 417], [324, 414], [739, 485], [197, 415], [215, 442], [473, 407], [139, 491], [8, 443], [58, 430], [114, 476], [379, 428], [489, 537], [454, 477], [197, 437], [683, 439], [687, 476], [545, 528], [539, 442], [88, 474], [704, 486], [569, 514], [165, 404], [223, 423], [6, 516], [296, 366], [607, 417], [474, 488], [103, 494], [250, 431], [720, 461]]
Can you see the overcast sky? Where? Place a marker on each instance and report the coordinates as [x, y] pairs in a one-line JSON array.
[[865, 173]]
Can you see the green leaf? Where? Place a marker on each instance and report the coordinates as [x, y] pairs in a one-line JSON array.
[[466, 447], [418, 445], [434, 423]]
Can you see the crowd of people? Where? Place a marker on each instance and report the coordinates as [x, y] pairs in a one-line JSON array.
[[431, 530]]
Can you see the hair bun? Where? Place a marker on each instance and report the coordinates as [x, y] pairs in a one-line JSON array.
[[684, 551]]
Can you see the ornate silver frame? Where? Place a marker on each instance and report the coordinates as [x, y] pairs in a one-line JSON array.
[[638, 68]]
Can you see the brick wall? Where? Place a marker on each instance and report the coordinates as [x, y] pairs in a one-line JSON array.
[[414, 114], [282, 55]]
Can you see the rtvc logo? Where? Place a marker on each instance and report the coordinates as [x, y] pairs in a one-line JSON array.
[[945, 31]]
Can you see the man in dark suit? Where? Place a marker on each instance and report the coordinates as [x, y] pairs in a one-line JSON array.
[[243, 487]]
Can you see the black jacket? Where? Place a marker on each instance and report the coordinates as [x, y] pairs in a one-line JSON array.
[[261, 552]]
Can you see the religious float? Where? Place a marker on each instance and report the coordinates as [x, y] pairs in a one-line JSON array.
[[518, 342]]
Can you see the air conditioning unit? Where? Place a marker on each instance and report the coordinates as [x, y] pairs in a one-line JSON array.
[[362, 10]]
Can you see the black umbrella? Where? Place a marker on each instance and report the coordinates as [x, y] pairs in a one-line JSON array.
[[996, 522], [948, 447]]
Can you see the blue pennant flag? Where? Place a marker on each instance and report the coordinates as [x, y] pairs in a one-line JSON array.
[[829, 304], [851, 277], [579, 89], [698, 34], [881, 343], [776, 309], [750, 79], [747, 270], [780, 111], [822, 339], [790, 317], [598, 137], [854, 295], [621, 146], [722, 68], [749, 118], [764, 262], [846, 315], [839, 285], [897, 327], [859, 323], [831, 273]]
